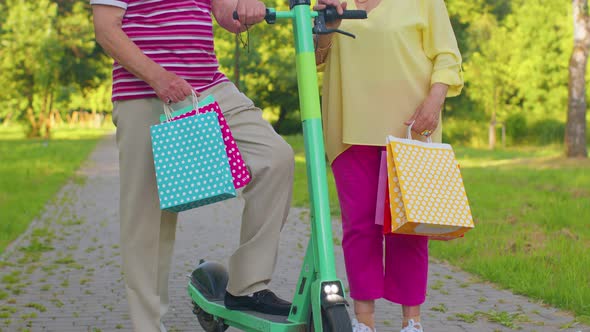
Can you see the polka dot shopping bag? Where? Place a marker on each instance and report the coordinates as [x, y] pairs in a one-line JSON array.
[[426, 192], [240, 174], [192, 167]]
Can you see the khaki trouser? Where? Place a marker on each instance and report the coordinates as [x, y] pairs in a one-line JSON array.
[[148, 234]]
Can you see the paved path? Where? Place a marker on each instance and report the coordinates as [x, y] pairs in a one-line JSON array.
[[64, 273]]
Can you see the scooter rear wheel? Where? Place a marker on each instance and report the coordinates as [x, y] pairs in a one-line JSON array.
[[207, 321], [334, 319]]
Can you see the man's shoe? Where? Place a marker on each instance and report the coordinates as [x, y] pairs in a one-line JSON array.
[[263, 301]]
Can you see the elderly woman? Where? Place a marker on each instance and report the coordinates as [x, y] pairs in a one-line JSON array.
[[398, 71]]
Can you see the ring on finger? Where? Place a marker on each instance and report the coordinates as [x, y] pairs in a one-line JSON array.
[[426, 133]]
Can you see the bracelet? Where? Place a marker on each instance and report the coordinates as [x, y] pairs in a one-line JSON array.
[[321, 53], [321, 49]]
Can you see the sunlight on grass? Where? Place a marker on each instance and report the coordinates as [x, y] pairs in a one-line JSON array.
[[469, 157], [15, 132], [300, 158]]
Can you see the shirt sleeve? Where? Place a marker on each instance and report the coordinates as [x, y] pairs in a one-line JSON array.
[[115, 3], [440, 46]]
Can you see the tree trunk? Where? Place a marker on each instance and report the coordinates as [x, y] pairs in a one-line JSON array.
[[282, 115], [575, 130], [6, 120], [503, 124], [48, 111], [34, 124], [492, 132], [34, 128]]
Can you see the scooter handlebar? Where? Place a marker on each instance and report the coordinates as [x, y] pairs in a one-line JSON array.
[[329, 13]]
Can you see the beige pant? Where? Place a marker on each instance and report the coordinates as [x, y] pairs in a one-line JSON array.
[[148, 234]]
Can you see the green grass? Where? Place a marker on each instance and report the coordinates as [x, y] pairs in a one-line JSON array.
[[33, 170], [532, 211]]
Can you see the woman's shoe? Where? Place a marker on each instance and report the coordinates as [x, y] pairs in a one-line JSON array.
[[360, 327], [412, 327]]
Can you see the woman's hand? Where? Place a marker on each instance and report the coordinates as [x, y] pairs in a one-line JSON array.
[[340, 7], [427, 116]]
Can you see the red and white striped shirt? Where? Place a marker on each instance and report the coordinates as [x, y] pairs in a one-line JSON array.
[[178, 35]]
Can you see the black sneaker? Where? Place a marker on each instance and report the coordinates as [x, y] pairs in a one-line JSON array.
[[263, 301]]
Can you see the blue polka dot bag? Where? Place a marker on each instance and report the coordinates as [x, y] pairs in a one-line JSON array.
[[192, 167]]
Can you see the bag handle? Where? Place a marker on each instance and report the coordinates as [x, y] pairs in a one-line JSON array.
[[168, 110], [409, 133]]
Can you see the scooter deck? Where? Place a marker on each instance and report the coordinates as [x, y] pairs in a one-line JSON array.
[[272, 318], [216, 306]]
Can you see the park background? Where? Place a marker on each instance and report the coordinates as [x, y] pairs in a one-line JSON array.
[[519, 130]]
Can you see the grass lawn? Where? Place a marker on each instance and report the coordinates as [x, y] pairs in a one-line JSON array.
[[32, 171], [532, 210]]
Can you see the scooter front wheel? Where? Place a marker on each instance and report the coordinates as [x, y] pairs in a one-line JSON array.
[[208, 321], [334, 319]]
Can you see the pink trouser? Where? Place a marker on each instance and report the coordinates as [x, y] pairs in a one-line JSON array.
[[402, 276]]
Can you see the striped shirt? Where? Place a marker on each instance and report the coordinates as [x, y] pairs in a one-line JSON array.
[[178, 35]]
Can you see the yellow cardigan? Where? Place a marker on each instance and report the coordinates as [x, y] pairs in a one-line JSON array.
[[373, 83]]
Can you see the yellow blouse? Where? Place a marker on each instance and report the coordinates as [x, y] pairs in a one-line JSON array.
[[373, 83]]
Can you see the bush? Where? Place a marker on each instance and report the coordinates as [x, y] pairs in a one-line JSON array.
[[465, 132], [474, 133], [516, 127], [547, 131], [291, 125]]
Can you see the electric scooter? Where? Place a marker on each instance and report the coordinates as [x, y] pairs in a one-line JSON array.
[[319, 302]]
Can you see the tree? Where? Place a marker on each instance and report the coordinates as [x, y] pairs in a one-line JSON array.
[[85, 75], [47, 57], [575, 135], [491, 84], [516, 61], [30, 57]]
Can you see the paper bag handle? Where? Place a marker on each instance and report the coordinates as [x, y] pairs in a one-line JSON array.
[[169, 110]]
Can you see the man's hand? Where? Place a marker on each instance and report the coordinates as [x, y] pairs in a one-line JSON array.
[[340, 7], [427, 116]]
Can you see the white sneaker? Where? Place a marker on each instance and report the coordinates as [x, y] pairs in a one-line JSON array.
[[360, 327], [412, 327]]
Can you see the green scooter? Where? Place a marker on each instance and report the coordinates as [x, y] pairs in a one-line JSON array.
[[319, 302]]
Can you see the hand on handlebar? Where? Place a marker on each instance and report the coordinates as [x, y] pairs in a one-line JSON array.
[[249, 12], [340, 7]]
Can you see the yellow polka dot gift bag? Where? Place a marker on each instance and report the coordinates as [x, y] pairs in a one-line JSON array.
[[426, 192]]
